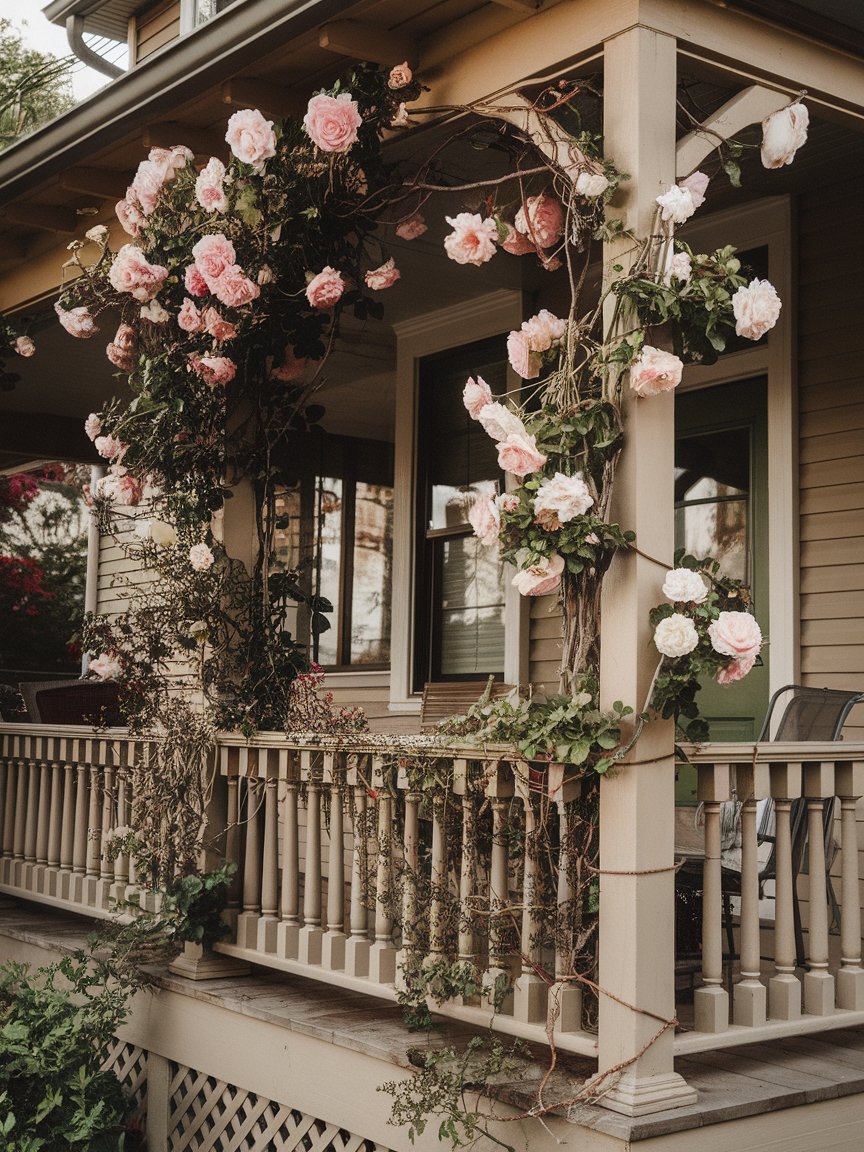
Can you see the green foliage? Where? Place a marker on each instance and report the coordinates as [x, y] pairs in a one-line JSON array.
[[34, 86], [55, 1026], [435, 980], [192, 905]]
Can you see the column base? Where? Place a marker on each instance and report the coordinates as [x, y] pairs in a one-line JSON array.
[[198, 963], [530, 996], [103, 893], [565, 1007], [40, 878], [287, 936], [784, 997], [498, 990], [850, 988], [267, 928], [711, 1009], [89, 891], [53, 879], [357, 956], [750, 1004], [247, 929], [309, 944], [333, 950], [382, 963], [642, 1095], [819, 993]]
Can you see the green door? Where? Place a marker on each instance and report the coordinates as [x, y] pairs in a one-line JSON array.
[[721, 510]]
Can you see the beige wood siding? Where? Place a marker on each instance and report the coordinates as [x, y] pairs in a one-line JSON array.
[[156, 26], [545, 643], [831, 414]]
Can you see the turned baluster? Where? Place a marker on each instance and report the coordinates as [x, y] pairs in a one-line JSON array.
[[247, 921], [711, 1001], [411, 851], [333, 944], [750, 995], [67, 829], [382, 955], [357, 946], [784, 988], [309, 944], [270, 868], [121, 863], [467, 876], [818, 981], [31, 817], [4, 785], [288, 932], [850, 978], [438, 878], [42, 822], [530, 990], [94, 836], [55, 826], [499, 882], [565, 998], [20, 811], [9, 781], [107, 818], [232, 842]]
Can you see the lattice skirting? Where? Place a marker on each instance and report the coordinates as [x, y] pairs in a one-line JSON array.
[[208, 1114], [129, 1063]]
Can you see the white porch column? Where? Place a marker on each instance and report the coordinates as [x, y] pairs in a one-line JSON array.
[[637, 931]]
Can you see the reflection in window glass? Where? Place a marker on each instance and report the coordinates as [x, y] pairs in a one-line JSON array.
[[328, 551], [470, 613], [371, 593], [712, 506]]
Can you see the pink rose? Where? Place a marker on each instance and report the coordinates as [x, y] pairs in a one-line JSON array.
[[523, 359], [125, 338], [542, 219], [120, 487], [146, 185], [132, 272], [382, 277], [517, 243], [507, 501], [518, 455], [216, 371], [195, 283], [735, 634], [475, 396], [24, 346], [325, 289], [757, 309], [331, 122], [189, 318], [783, 133], [209, 187], [217, 326], [213, 254], [540, 578], [560, 500], [234, 289], [499, 422], [170, 161], [696, 184], [77, 322], [544, 330], [251, 138], [655, 371], [485, 518], [110, 448], [400, 76], [412, 227], [129, 213], [735, 670], [473, 238], [401, 119], [200, 557], [106, 667], [121, 359], [93, 425]]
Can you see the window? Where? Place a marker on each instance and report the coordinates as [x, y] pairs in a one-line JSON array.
[[459, 631], [206, 9], [335, 529]]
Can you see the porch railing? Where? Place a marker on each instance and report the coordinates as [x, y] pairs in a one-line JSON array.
[[355, 862]]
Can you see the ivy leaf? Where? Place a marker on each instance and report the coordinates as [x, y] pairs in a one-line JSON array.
[[733, 171]]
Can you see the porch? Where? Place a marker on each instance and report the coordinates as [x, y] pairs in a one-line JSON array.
[[458, 879]]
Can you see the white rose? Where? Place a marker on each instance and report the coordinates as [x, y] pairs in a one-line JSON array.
[[783, 133], [499, 422], [98, 234], [162, 534], [676, 635], [105, 667], [735, 634], [155, 313], [680, 267], [756, 309], [683, 586], [200, 557], [561, 499], [590, 184], [676, 204], [93, 425]]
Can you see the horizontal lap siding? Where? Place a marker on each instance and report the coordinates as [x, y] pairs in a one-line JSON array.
[[831, 424], [544, 653], [156, 27]]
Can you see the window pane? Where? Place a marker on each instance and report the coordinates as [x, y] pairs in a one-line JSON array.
[[328, 555], [717, 529], [371, 593], [712, 490], [470, 620]]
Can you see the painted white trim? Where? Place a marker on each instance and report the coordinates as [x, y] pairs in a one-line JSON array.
[[768, 222], [476, 319]]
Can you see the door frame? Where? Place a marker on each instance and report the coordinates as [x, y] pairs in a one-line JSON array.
[[769, 223]]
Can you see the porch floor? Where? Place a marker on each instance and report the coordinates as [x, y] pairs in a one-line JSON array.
[[733, 1084]]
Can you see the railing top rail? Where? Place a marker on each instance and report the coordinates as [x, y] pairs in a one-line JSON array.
[[773, 752]]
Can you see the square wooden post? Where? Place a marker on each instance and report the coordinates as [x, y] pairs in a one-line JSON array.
[[637, 801]]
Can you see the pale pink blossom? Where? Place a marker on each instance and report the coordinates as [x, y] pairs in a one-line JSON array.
[[265, 275], [146, 186], [119, 486], [475, 396], [216, 371], [542, 218], [680, 267], [517, 243], [200, 557], [210, 187], [234, 288], [331, 122], [133, 273], [507, 501], [472, 240], [561, 499], [485, 518], [518, 455], [696, 184], [735, 634], [676, 636], [106, 667], [170, 161], [783, 133], [212, 254], [155, 313], [499, 422], [195, 283], [735, 670], [541, 578], [189, 318], [401, 119], [129, 213], [385, 276], [325, 290], [544, 330], [98, 234], [684, 586], [93, 425], [217, 326], [757, 309], [125, 338], [400, 76], [590, 184], [251, 138], [77, 322], [676, 205], [412, 227], [655, 371], [120, 358], [24, 346], [524, 361], [110, 448]]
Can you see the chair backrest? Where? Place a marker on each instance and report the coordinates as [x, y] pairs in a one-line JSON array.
[[73, 702], [810, 713], [445, 698]]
